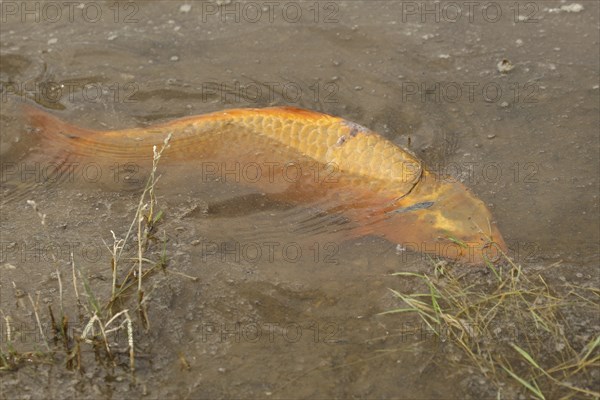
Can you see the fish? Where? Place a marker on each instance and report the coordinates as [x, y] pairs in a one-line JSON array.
[[301, 156]]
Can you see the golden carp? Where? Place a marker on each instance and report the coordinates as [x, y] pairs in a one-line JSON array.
[[301, 156]]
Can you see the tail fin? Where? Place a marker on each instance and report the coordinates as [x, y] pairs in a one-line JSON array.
[[53, 131], [53, 149]]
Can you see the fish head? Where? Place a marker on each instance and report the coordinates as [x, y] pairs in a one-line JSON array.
[[447, 220]]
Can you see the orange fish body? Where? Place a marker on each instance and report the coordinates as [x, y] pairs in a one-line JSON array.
[[303, 156]]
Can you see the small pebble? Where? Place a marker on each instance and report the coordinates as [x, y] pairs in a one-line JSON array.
[[185, 8], [504, 66]]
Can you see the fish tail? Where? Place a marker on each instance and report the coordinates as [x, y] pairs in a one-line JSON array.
[[102, 146], [57, 142], [49, 161], [53, 131]]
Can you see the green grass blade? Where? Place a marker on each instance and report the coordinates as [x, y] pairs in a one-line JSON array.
[[535, 390]]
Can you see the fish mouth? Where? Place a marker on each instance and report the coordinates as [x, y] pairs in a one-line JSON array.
[[492, 250]]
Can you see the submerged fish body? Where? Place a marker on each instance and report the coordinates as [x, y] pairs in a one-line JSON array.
[[306, 157]]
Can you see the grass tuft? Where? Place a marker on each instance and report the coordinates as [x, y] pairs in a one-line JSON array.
[[512, 328], [104, 319]]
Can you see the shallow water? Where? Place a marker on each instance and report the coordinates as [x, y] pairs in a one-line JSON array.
[[525, 140]]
